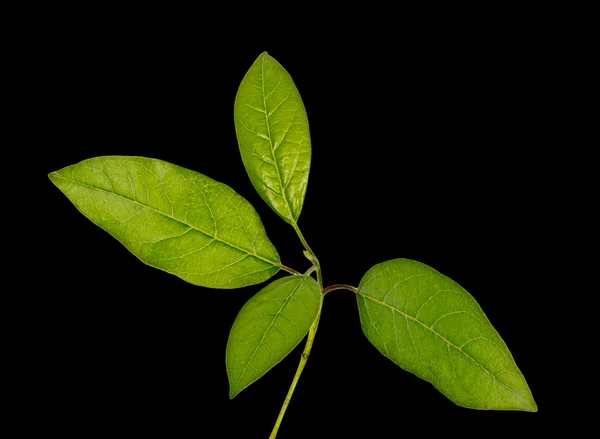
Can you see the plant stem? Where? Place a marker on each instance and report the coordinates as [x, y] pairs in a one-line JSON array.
[[339, 287], [310, 270], [303, 360], [308, 249], [319, 276], [311, 333]]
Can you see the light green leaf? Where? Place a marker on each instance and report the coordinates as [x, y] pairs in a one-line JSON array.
[[174, 219], [272, 131], [268, 327], [429, 325]]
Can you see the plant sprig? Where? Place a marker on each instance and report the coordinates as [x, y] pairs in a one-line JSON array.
[[202, 231]]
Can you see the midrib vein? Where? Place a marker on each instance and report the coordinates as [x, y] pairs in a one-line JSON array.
[[448, 342], [271, 146], [276, 264]]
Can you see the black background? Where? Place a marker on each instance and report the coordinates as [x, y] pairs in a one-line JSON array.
[[426, 145]]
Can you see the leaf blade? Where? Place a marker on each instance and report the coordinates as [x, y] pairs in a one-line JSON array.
[[273, 136], [173, 219], [287, 307], [430, 326]]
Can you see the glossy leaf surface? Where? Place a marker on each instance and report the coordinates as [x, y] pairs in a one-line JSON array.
[[272, 132], [429, 325], [173, 218], [268, 327]]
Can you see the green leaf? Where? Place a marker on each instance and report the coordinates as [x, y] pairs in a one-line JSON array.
[[272, 131], [429, 325], [174, 219], [268, 327]]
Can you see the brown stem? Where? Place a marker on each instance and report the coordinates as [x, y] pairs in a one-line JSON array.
[[339, 287]]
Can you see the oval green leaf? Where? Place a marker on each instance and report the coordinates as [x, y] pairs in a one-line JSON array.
[[268, 327], [272, 131], [173, 219], [429, 325]]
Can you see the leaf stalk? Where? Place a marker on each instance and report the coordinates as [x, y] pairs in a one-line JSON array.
[[289, 270], [340, 287], [309, 250]]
